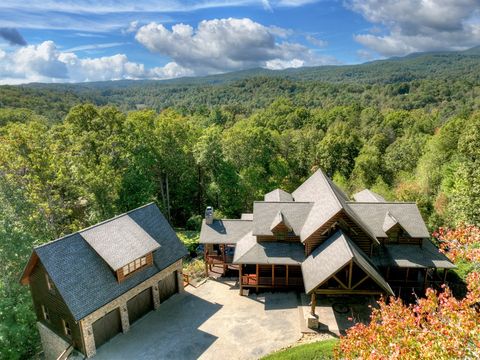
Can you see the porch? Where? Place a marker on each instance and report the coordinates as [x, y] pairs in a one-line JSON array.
[[258, 277], [219, 257]]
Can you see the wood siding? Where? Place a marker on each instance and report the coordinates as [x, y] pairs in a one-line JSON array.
[[168, 286], [288, 237], [149, 262], [57, 309], [341, 221]]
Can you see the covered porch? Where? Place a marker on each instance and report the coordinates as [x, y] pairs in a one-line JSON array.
[[274, 276], [219, 257]]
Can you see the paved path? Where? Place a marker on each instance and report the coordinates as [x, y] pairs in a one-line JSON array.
[[210, 322]]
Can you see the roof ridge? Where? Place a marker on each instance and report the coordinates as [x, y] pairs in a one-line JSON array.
[[232, 219], [94, 225], [345, 240], [382, 202], [284, 202], [326, 180]]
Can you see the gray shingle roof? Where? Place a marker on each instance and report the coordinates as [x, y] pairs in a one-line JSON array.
[[402, 255], [249, 251], [86, 282], [247, 216], [328, 200], [224, 231], [368, 195], [331, 256], [264, 214], [278, 195], [389, 222], [407, 215], [119, 241]]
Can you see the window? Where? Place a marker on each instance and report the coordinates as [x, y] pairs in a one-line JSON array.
[[50, 285], [46, 314], [134, 265], [67, 329]]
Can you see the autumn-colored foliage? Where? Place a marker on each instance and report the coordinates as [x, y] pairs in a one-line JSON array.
[[436, 327], [461, 243]]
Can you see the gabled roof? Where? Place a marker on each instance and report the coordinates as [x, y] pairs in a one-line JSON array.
[[119, 241], [367, 195], [406, 214], [328, 200], [331, 256], [265, 213], [249, 251], [224, 231], [85, 281], [389, 222], [278, 195], [278, 220]]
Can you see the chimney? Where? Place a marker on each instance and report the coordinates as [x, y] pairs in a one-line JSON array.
[[209, 215]]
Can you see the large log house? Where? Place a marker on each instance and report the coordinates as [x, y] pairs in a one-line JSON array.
[[318, 241]]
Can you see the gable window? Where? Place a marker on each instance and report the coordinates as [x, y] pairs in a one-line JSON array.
[[46, 314], [67, 330], [134, 265]]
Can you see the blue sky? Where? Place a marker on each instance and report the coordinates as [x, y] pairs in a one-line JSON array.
[[87, 40]]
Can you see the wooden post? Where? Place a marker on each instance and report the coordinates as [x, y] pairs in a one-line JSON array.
[[286, 280], [313, 303], [222, 248], [240, 278], [273, 275], [445, 275], [350, 270], [406, 275], [206, 261], [257, 279]]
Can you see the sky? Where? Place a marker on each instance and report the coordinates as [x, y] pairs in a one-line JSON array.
[[97, 40]]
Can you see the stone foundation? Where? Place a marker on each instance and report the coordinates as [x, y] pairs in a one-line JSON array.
[[53, 345], [121, 302]]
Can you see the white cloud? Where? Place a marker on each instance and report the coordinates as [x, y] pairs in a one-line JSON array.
[[420, 25], [95, 46], [317, 42], [222, 45], [45, 63]]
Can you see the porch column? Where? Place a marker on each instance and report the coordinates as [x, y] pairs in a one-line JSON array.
[[240, 270], [222, 249], [206, 261], [273, 275], [286, 280], [313, 303], [425, 281], [445, 275], [257, 279]]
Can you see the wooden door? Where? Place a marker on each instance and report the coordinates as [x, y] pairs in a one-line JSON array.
[[139, 305], [107, 327], [168, 286]]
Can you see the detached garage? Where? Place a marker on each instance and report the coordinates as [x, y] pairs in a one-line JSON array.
[[107, 327], [140, 305]]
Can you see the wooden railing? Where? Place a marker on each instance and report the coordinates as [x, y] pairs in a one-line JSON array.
[[186, 280], [251, 280], [64, 355], [219, 259]]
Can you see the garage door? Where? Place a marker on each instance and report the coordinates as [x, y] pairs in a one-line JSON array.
[[140, 305], [168, 286], [107, 327]]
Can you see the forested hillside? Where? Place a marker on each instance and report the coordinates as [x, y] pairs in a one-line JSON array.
[[408, 129]]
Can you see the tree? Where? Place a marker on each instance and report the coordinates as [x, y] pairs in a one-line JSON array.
[[436, 327]]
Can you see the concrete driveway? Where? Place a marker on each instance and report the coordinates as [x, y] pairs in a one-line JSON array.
[[210, 322]]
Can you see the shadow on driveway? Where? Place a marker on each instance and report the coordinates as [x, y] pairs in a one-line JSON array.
[[154, 337]]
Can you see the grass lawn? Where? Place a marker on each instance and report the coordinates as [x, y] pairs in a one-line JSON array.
[[318, 350]]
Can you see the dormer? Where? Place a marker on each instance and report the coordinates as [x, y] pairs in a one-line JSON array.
[[280, 224], [123, 245], [392, 227]]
